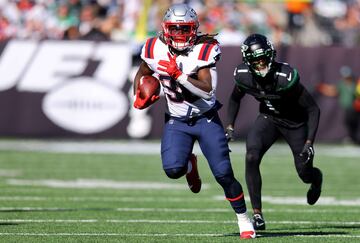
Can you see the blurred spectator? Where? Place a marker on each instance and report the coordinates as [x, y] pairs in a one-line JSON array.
[[87, 19], [72, 33], [230, 35], [295, 10], [308, 23], [310, 34], [327, 11], [349, 25], [348, 92]]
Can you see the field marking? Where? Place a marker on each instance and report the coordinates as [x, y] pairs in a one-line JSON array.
[[151, 147], [178, 221], [327, 201], [172, 235], [302, 201], [323, 201], [10, 173], [144, 185], [183, 210], [98, 183], [107, 234]]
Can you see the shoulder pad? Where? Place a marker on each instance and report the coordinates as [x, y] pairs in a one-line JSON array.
[[148, 48], [242, 76], [209, 52], [287, 77]]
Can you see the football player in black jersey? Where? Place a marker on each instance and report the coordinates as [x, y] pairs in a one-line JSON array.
[[287, 110]]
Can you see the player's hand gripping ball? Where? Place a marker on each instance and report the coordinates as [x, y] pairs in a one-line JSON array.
[[147, 92]]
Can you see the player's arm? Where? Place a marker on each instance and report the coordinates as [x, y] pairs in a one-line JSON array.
[[233, 110], [143, 102], [204, 81], [143, 70], [201, 86], [307, 101]]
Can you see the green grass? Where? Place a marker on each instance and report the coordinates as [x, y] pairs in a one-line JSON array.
[[39, 213]]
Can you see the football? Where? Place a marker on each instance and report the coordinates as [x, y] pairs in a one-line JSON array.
[[149, 86]]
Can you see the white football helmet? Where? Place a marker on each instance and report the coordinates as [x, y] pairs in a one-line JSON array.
[[180, 25]]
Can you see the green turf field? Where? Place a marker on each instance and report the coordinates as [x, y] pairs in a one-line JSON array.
[[109, 197]]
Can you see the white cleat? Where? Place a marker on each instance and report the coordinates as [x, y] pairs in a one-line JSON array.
[[247, 230]]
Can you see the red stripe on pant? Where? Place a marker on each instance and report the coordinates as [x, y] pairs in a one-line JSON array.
[[236, 198]]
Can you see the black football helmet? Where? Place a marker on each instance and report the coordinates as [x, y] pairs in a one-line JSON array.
[[258, 53]]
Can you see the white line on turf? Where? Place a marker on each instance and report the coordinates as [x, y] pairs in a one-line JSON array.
[[96, 183], [189, 210], [150, 147], [168, 235], [323, 201], [326, 201], [105, 234], [178, 221]]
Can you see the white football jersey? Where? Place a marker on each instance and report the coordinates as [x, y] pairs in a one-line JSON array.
[[181, 102]]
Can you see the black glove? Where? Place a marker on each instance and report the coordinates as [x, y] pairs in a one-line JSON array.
[[308, 152], [229, 134]]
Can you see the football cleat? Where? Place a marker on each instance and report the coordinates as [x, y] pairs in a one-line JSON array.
[[315, 190], [192, 177], [247, 230], [258, 222]]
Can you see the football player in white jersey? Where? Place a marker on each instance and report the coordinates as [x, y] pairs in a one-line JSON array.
[[185, 63]]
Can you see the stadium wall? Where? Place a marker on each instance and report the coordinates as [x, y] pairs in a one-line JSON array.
[[82, 89]]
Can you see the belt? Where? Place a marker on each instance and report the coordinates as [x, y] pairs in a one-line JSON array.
[[191, 120]]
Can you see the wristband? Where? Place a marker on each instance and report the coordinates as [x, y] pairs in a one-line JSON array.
[[182, 79]]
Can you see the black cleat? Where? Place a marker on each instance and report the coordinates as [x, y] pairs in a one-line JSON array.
[[315, 190], [258, 222]]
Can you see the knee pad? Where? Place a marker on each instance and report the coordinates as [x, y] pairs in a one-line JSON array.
[[226, 180], [175, 173]]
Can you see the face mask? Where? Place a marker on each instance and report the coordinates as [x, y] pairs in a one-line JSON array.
[[260, 67]]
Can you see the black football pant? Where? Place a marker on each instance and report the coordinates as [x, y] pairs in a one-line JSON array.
[[261, 136]]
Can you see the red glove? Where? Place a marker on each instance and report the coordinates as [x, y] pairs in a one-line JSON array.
[[170, 67], [142, 103]]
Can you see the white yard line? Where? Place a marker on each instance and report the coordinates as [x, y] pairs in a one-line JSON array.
[[153, 147], [106, 234], [187, 210], [100, 183], [167, 235], [323, 201], [178, 221]]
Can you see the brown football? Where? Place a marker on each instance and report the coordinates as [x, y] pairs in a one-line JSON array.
[[149, 86]]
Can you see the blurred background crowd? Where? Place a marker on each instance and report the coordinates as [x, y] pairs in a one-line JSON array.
[[287, 22]]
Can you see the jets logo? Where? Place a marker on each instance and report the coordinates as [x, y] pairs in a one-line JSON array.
[[81, 81], [244, 48]]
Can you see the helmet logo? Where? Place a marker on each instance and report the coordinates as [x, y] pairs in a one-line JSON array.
[[244, 47]]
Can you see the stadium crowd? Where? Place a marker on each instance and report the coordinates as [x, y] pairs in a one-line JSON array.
[[301, 22]]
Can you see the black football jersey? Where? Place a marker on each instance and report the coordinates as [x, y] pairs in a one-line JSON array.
[[278, 92]]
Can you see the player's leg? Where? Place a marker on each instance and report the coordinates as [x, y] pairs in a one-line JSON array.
[[192, 175], [214, 146], [307, 172], [176, 147], [259, 139]]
